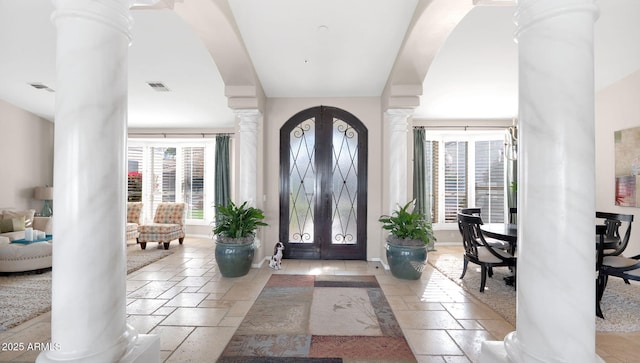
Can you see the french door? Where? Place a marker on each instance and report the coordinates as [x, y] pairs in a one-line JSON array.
[[323, 185]]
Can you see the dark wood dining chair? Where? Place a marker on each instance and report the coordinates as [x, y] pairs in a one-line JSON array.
[[471, 211], [513, 215], [478, 251], [490, 241], [626, 268], [615, 242]]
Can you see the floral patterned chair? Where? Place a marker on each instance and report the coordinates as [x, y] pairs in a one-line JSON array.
[[168, 224], [134, 209]]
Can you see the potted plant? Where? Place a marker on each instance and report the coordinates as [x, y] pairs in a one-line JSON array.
[[235, 229], [407, 242]]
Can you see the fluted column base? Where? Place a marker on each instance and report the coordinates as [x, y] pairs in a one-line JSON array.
[[146, 350], [496, 352], [139, 349]]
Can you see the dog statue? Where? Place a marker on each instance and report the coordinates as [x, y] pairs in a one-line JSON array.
[[276, 259]]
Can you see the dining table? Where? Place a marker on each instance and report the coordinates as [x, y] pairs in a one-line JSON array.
[[508, 232]]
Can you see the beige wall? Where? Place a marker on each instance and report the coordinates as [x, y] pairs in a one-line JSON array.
[[26, 151], [277, 112], [617, 108]]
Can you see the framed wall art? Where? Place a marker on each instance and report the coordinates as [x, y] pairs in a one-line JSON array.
[[627, 167]]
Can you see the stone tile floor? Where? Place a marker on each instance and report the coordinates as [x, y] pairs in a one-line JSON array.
[[195, 310]]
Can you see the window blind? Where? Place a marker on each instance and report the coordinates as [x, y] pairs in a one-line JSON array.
[[193, 181], [432, 175], [455, 179], [489, 180]]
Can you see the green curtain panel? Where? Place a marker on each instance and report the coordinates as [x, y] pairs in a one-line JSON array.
[[421, 190], [222, 183], [419, 182]]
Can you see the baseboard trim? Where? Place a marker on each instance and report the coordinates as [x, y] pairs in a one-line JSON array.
[[377, 259], [260, 263]]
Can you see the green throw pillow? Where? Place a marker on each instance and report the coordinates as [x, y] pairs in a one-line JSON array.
[[18, 223], [6, 225], [12, 224]]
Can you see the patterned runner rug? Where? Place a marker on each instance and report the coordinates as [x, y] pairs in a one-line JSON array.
[[306, 318]]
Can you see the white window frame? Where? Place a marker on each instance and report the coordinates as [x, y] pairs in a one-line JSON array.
[[470, 136], [209, 174]]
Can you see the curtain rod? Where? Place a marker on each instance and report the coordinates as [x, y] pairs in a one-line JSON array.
[[178, 134], [455, 127]]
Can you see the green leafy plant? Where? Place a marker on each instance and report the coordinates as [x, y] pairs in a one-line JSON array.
[[236, 222], [407, 225]]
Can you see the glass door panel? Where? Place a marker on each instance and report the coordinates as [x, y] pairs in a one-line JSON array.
[[302, 182], [344, 183]]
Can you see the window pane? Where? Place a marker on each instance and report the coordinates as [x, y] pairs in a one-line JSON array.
[[302, 182], [344, 184], [193, 184], [134, 177], [455, 179], [431, 174], [168, 165], [489, 183]]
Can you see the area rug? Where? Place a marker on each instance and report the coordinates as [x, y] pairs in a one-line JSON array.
[[306, 318], [25, 296], [620, 303]]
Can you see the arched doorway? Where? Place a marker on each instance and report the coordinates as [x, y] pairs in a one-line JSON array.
[[323, 185]]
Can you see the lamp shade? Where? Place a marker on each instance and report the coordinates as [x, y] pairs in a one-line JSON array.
[[43, 193]]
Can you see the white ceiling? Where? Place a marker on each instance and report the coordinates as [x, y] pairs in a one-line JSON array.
[[473, 76], [327, 48]]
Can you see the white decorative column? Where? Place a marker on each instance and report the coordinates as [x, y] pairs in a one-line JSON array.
[[88, 318], [398, 156], [556, 192], [247, 164], [248, 122]]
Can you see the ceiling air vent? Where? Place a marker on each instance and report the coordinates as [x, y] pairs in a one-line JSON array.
[[158, 86], [41, 86]]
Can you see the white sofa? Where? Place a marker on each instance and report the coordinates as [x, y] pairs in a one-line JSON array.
[[44, 224], [16, 257]]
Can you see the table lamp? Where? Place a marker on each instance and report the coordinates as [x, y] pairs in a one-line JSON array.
[[46, 194]]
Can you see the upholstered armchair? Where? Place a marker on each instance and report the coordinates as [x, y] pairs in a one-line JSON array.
[[168, 224], [134, 209]]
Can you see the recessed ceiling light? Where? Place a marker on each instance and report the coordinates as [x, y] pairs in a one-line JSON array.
[[306, 61], [323, 28]]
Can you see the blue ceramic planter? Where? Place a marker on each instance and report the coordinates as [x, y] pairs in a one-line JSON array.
[[234, 260], [406, 262]]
